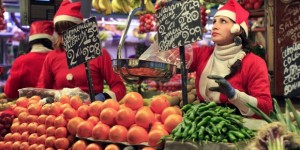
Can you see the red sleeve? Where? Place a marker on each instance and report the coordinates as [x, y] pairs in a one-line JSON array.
[[114, 81], [259, 84], [13, 83], [46, 78]]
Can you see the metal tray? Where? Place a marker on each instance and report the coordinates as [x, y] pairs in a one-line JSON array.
[[135, 70]]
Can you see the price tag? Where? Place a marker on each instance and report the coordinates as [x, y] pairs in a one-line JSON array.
[[82, 42]]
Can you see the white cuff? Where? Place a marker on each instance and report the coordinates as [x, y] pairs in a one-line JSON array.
[[111, 94], [241, 99]]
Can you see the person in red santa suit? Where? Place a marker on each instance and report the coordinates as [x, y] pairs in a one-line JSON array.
[[229, 73], [56, 74], [26, 68]]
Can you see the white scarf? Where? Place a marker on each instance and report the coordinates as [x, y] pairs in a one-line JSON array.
[[39, 48], [218, 64]]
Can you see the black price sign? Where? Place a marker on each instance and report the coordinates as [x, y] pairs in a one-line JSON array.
[[179, 24], [291, 64], [82, 42]]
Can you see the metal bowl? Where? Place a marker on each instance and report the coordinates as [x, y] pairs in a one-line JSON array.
[[135, 70]]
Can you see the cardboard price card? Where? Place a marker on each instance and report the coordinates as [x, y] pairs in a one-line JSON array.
[[82, 42], [179, 23]]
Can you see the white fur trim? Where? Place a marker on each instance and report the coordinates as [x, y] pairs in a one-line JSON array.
[[40, 36], [245, 27], [111, 94], [67, 18], [235, 28], [226, 13]]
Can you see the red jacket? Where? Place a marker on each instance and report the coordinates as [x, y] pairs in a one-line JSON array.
[[24, 72], [251, 79], [55, 72]]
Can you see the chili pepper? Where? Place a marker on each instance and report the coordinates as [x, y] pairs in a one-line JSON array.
[[213, 127], [231, 137], [207, 113], [192, 115], [187, 121], [220, 112], [225, 140], [237, 134], [207, 137], [185, 132], [210, 132], [213, 138], [243, 130], [231, 127], [225, 115], [193, 128], [218, 119], [198, 118], [220, 125], [203, 121], [194, 136], [235, 121], [206, 107], [238, 117], [201, 133], [186, 107], [176, 128], [224, 129]]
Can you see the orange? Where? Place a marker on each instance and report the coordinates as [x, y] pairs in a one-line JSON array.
[[157, 125], [50, 131], [23, 127], [93, 146], [65, 99], [93, 119], [41, 147], [8, 137], [83, 111], [7, 145], [31, 127], [32, 146], [49, 120], [22, 116], [41, 129], [137, 135], [55, 109], [85, 129], [157, 117], [41, 139], [125, 117], [62, 143], [15, 120], [159, 103], [15, 127], [33, 101], [31, 118], [32, 138], [41, 119], [34, 97], [49, 148], [16, 137], [144, 118], [61, 132], [154, 137], [172, 121], [64, 106], [72, 125], [45, 109], [24, 137], [112, 147], [60, 121], [2, 144], [76, 102], [34, 109], [69, 113], [15, 145], [108, 116], [168, 111], [111, 103], [133, 100], [118, 133], [49, 141], [23, 146], [100, 131], [95, 108], [17, 110], [22, 102], [148, 148], [79, 145]]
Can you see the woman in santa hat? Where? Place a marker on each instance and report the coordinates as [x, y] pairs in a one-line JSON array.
[[26, 69], [56, 74], [229, 73]]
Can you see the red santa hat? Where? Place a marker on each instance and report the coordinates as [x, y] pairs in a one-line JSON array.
[[69, 11], [41, 29], [233, 10]]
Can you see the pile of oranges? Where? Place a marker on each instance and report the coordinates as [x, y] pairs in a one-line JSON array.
[[56, 125]]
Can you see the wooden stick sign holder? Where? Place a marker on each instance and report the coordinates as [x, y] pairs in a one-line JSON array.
[[178, 25]]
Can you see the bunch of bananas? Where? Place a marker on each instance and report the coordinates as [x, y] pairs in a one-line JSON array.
[[121, 6], [102, 6], [103, 35]]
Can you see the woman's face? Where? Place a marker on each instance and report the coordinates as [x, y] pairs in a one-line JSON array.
[[221, 34]]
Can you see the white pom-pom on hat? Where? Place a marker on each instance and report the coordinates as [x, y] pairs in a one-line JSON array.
[[235, 28]]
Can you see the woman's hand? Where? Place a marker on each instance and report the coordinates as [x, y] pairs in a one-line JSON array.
[[224, 86]]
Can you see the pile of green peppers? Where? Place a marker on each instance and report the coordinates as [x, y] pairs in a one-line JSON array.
[[210, 122]]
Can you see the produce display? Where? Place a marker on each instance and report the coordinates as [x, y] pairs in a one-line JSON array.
[[209, 122], [6, 119]]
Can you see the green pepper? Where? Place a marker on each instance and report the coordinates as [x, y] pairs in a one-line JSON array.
[[203, 121], [218, 119], [231, 127], [225, 140], [207, 137], [213, 127], [231, 137], [194, 136], [220, 125], [192, 115], [206, 113], [235, 121], [197, 119], [243, 130], [185, 132], [201, 133], [206, 107], [186, 107], [187, 121], [209, 131], [193, 128], [224, 129], [238, 117], [237, 134]]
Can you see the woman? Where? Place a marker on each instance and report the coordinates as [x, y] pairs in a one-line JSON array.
[[229, 73], [55, 73], [26, 69]]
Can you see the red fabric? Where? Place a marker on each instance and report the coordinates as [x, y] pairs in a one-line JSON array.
[[252, 79], [25, 72], [241, 14], [55, 70], [68, 8], [41, 27]]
